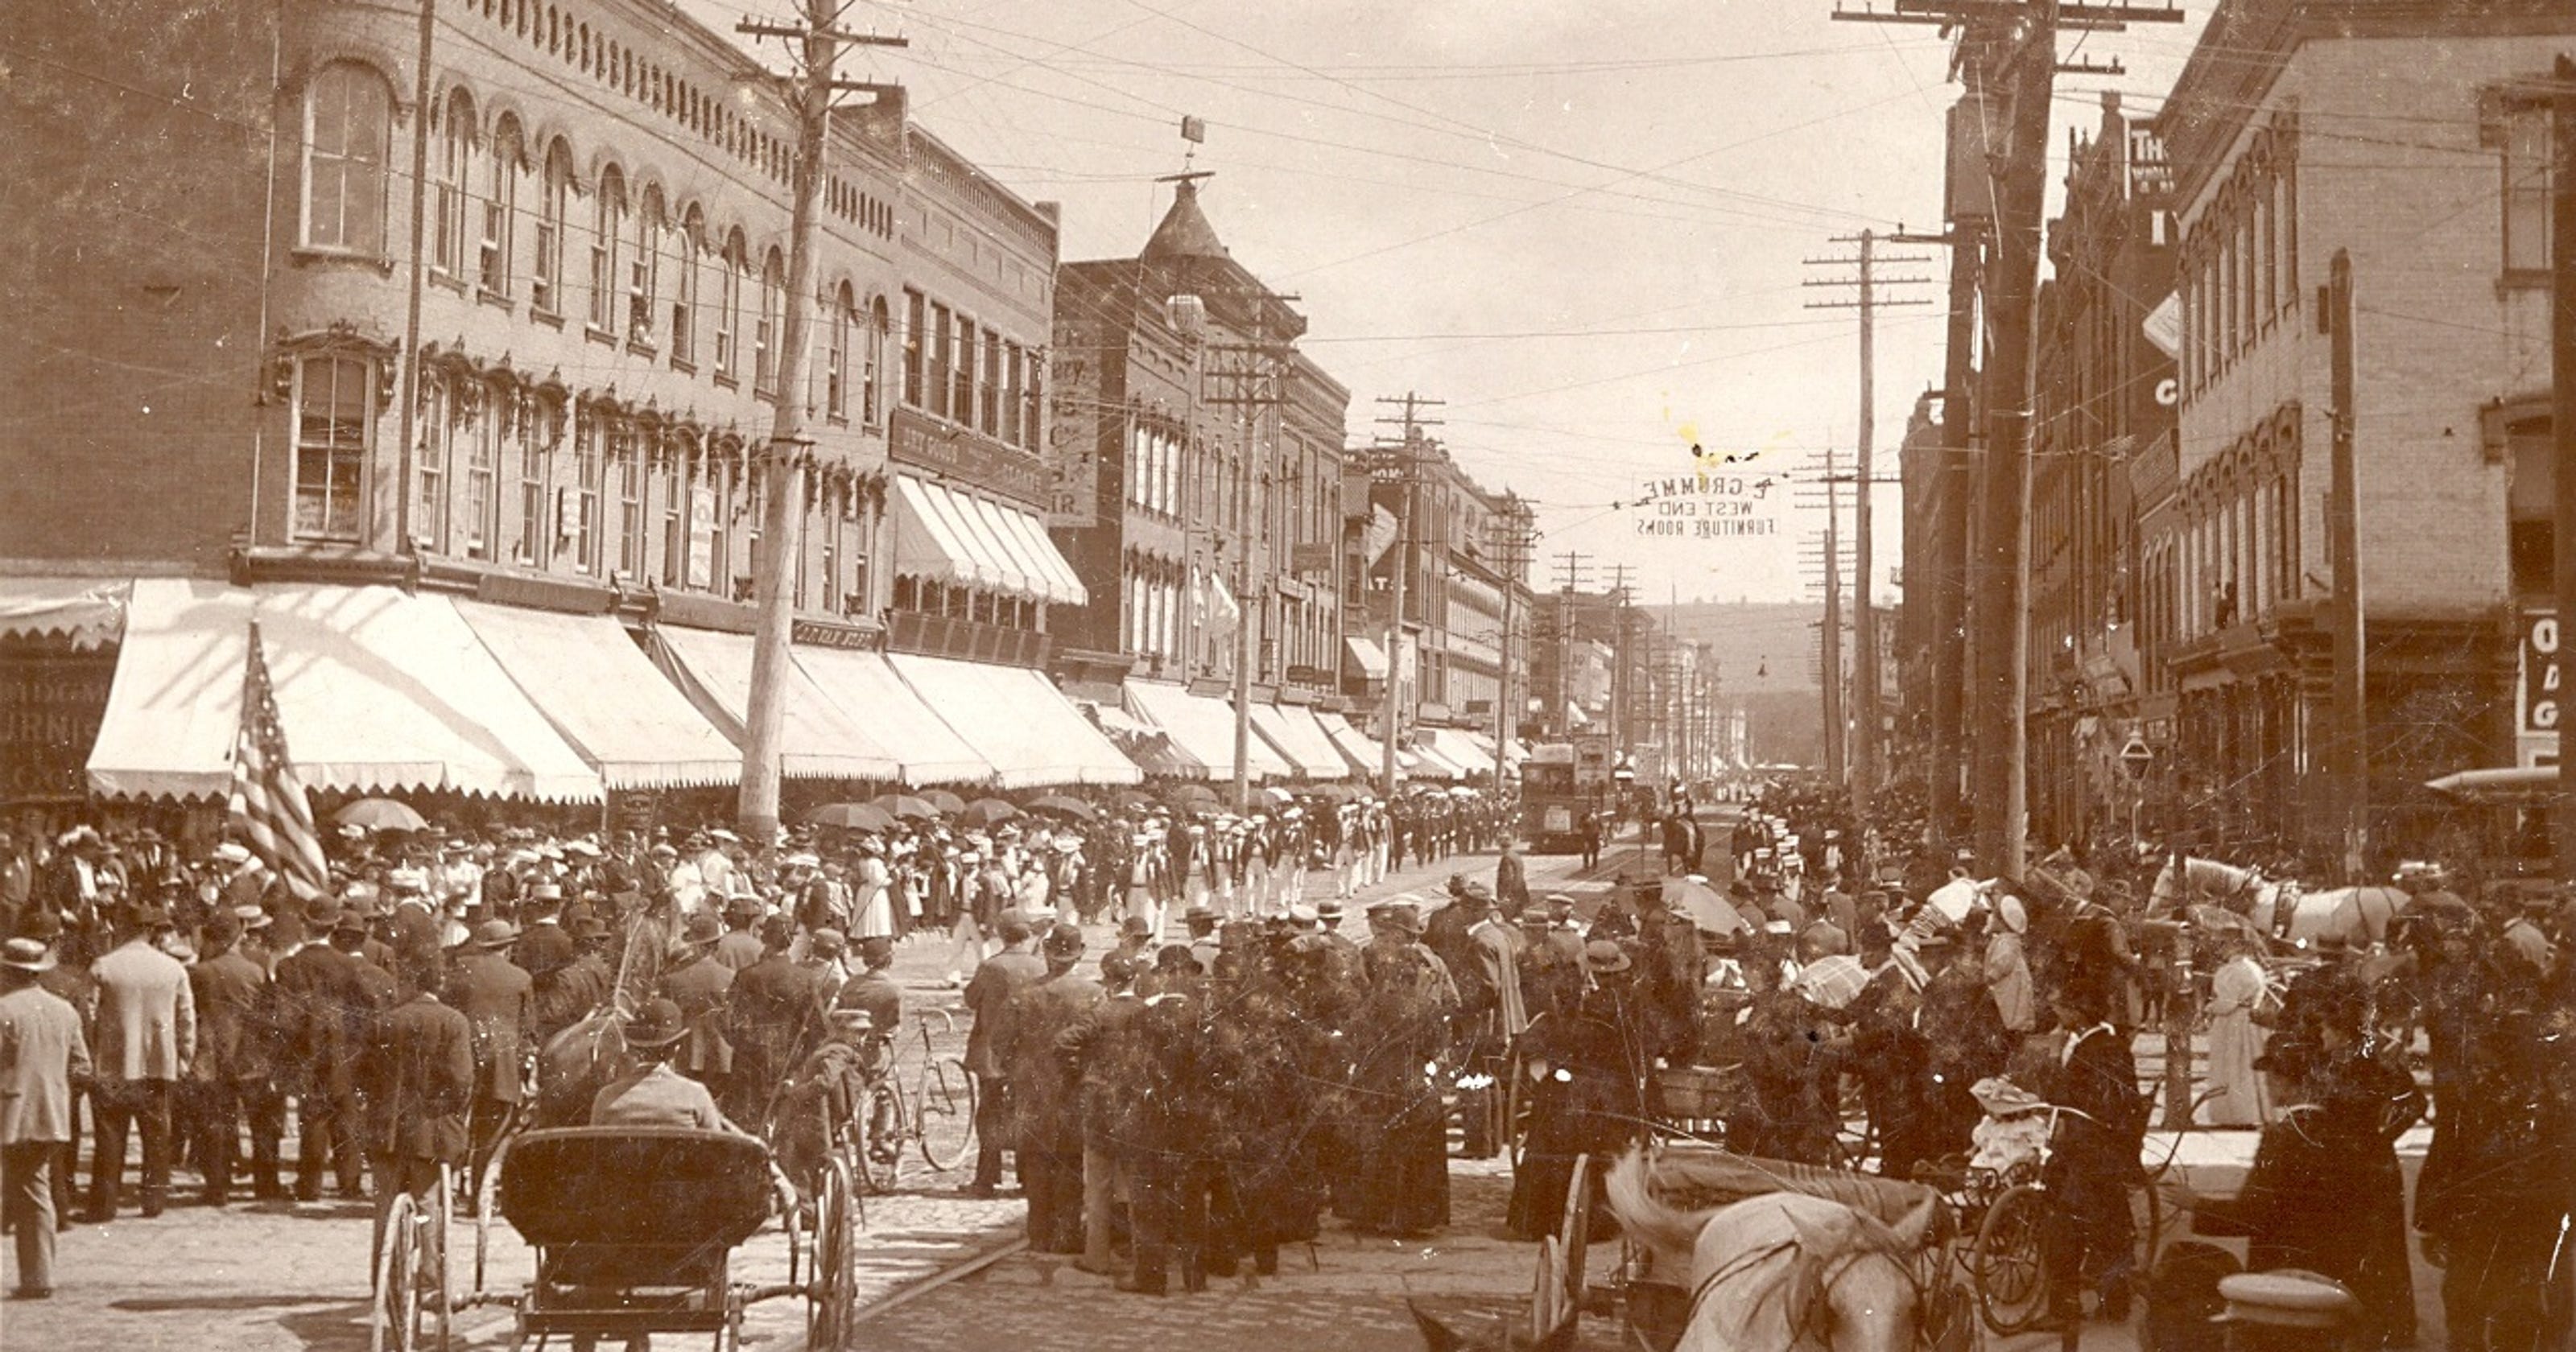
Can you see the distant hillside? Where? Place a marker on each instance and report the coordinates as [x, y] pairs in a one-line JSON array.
[[1766, 661]]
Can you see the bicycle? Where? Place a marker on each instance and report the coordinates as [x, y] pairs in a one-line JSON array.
[[937, 1118]]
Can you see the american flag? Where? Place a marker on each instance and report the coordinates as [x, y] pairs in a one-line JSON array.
[[269, 809]]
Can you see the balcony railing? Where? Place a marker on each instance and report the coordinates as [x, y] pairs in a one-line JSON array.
[[966, 640]]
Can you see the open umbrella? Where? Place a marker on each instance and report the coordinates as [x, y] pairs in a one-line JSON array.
[[1191, 797], [851, 817], [1062, 806], [943, 800], [380, 814], [905, 806], [1129, 800], [986, 812]]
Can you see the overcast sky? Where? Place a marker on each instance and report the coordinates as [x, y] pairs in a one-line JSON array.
[[1581, 223]]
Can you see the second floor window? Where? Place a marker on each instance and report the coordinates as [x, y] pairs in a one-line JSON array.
[[334, 431], [499, 207], [608, 225], [630, 508], [729, 272], [533, 420], [456, 217], [554, 201], [872, 363], [687, 249], [913, 307], [764, 338], [482, 512], [2528, 179], [348, 118], [429, 463], [836, 357]]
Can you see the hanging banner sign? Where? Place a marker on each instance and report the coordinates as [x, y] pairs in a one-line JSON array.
[[1709, 505], [2542, 694]]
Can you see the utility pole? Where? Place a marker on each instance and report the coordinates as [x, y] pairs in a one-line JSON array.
[[1399, 465], [1253, 383], [1570, 580], [1623, 681], [1515, 534], [1831, 654], [1865, 659], [783, 513], [2007, 53], [2352, 719], [2562, 340]]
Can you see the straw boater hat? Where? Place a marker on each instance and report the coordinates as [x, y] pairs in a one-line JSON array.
[[1604, 955], [27, 955], [2002, 1098]]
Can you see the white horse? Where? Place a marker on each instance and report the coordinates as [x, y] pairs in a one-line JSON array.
[[2242, 890], [1781, 1271]]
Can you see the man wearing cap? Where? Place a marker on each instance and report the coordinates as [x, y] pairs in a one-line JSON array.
[[42, 1054], [562, 996], [997, 983], [1201, 923], [702, 988], [740, 946], [231, 1064], [1044, 1092], [1403, 1183], [1674, 968], [874, 989], [421, 1078], [544, 945], [146, 1033], [775, 1014], [825, 955], [498, 999]]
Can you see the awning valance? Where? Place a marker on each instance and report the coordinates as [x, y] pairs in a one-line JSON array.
[[1294, 734], [89, 611], [601, 692], [1204, 728], [820, 742], [868, 691], [174, 708], [1369, 655], [949, 535], [1452, 747], [1015, 718]]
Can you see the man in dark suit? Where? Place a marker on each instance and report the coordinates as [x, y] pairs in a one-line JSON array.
[[1044, 1092], [419, 1075], [874, 989], [42, 1052], [701, 987], [497, 998], [774, 1015], [2088, 1175], [231, 1068], [310, 1001], [997, 982]]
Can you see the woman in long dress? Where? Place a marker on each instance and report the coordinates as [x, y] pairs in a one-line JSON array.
[[875, 907], [2237, 990]]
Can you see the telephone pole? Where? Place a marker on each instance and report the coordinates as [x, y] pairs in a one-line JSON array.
[[783, 512], [1570, 575], [2007, 54], [1865, 659], [1515, 534], [1623, 681], [1252, 382], [1396, 462], [1829, 637], [2562, 339]]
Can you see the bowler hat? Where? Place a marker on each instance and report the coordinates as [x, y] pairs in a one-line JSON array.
[[492, 934], [1605, 955], [703, 929], [27, 955], [658, 1024]]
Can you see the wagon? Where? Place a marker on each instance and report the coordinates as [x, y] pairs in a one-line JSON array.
[[634, 1232]]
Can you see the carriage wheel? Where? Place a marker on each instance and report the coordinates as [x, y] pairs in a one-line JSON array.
[[2005, 1265], [947, 1113], [1574, 1235], [831, 1295], [1547, 1297], [394, 1301], [433, 1256], [2147, 1217], [878, 1136]]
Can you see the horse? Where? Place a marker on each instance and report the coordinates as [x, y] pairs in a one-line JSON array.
[[576, 1063], [2358, 916], [2238, 889], [1782, 1270]]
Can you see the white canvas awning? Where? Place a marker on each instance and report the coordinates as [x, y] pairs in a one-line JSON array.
[[587, 675]]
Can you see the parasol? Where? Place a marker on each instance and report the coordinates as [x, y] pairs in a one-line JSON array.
[[380, 814], [986, 812], [942, 800], [1063, 806], [905, 806], [851, 817]]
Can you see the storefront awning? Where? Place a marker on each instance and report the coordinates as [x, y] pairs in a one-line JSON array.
[[1204, 727], [89, 611], [174, 708], [1370, 656], [869, 692], [1456, 748], [1294, 734], [586, 675], [948, 535], [1365, 754], [820, 742], [1142, 742], [1015, 718]]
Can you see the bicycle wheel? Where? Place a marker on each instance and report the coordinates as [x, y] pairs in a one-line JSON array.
[[946, 1113], [878, 1136], [2147, 1217], [391, 1307], [2012, 1289]]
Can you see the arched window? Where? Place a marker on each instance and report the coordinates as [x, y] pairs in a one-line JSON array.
[[644, 267], [500, 206], [764, 338], [872, 362], [458, 139], [729, 307], [686, 248], [554, 204], [348, 118], [608, 226], [836, 360]]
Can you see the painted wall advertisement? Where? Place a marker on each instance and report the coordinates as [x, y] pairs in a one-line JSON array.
[[2540, 693]]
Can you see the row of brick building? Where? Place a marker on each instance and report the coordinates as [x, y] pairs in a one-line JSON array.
[[2181, 580], [324, 312]]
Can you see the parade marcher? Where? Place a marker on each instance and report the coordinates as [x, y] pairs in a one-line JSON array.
[[145, 1036], [42, 1055], [1045, 1099], [231, 1069], [419, 1078], [498, 1001], [997, 983]]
